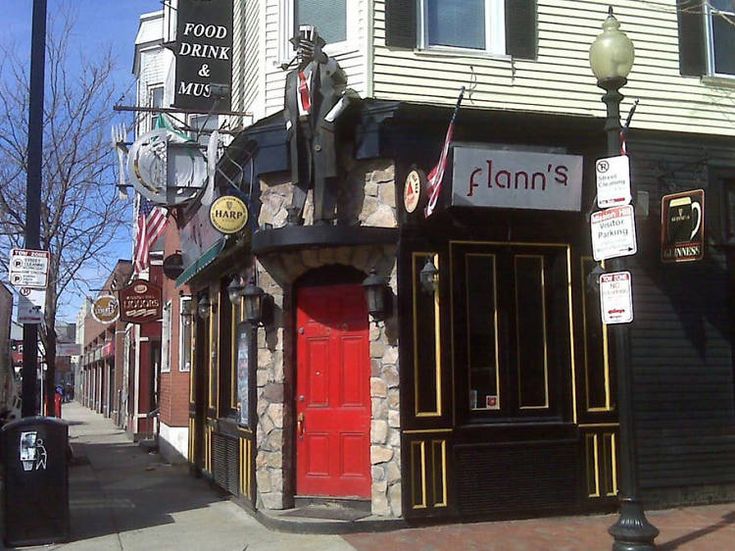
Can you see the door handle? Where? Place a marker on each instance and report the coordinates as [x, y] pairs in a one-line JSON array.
[[300, 425]]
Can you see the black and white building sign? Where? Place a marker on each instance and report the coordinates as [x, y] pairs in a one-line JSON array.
[[613, 233], [203, 55]]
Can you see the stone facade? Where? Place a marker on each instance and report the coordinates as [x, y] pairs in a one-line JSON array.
[[371, 202]]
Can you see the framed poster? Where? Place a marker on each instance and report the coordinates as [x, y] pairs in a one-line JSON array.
[[244, 333]]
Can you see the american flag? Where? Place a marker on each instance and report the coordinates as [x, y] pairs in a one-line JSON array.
[[624, 129], [151, 222], [436, 175]]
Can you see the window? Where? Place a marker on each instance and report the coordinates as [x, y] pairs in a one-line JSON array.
[[472, 24], [328, 16], [155, 99], [498, 27], [185, 335], [721, 34], [166, 338], [706, 37]]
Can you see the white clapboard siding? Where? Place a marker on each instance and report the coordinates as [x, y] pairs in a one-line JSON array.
[[560, 80], [276, 31]]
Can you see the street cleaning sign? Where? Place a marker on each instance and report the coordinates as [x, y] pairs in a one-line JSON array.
[[29, 268], [616, 298], [613, 233], [613, 181]]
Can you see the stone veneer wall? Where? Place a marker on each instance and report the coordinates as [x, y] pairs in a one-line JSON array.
[[371, 203]]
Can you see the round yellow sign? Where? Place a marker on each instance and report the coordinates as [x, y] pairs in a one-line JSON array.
[[228, 214], [105, 309]]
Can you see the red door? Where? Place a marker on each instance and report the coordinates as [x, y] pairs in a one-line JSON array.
[[332, 392]]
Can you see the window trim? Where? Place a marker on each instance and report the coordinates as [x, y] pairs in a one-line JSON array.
[[495, 31], [182, 345], [287, 28], [166, 337], [711, 73]]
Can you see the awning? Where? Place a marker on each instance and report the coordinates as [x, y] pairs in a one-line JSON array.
[[200, 263]]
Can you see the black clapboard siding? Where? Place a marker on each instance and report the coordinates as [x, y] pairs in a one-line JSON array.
[[681, 339]]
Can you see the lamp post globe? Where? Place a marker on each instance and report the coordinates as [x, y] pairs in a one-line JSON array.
[[611, 59]]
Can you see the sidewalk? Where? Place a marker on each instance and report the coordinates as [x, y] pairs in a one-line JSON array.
[[122, 498]]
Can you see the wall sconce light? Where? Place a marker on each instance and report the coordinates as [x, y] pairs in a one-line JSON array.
[[429, 276], [255, 303], [235, 289], [204, 307], [186, 313], [376, 293]]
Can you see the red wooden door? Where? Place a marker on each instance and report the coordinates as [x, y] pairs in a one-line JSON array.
[[332, 392]]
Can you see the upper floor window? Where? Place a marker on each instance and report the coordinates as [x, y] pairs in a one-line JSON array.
[[500, 27], [328, 16], [706, 37], [721, 43], [472, 24]]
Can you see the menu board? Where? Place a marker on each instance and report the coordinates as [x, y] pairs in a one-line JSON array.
[[243, 371]]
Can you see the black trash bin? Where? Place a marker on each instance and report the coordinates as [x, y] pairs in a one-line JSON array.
[[36, 474]]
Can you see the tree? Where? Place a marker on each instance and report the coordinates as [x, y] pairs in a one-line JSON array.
[[79, 214]]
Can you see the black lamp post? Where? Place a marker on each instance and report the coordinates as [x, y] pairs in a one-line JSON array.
[[611, 58]]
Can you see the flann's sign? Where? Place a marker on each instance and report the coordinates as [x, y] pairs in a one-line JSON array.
[[485, 177]]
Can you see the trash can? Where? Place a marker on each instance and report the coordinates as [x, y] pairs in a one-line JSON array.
[[36, 474]]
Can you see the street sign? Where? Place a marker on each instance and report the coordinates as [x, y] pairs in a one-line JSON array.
[[616, 298], [613, 233], [68, 349], [613, 181], [31, 305], [29, 268], [682, 226]]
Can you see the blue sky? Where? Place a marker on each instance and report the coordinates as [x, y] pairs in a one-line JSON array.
[[100, 25]]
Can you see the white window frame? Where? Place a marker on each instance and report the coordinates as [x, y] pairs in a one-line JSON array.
[[494, 31], [710, 46], [166, 338], [184, 367], [287, 30]]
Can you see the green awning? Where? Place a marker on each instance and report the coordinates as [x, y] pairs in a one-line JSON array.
[[200, 263]]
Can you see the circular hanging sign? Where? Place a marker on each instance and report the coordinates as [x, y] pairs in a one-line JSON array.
[[105, 309], [228, 214], [413, 189], [165, 168]]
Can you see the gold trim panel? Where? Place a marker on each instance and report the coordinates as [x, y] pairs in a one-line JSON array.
[[420, 448], [441, 488], [416, 256]]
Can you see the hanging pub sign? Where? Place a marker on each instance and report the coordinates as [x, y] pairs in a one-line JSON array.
[[105, 309], [414, 190], [515, 179], [203, 55], [682, 226], [228, 214], [140, 302]]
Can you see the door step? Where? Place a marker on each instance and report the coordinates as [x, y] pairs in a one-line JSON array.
[[329, 509]]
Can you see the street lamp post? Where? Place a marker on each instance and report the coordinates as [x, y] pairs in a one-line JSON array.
[[611, 58]]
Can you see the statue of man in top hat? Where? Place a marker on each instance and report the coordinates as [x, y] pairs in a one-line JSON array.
[[315, 98]]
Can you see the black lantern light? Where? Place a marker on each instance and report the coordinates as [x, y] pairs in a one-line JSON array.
[[235, 289], [375, 293], [429, 276], [254, 298], [204, 307]]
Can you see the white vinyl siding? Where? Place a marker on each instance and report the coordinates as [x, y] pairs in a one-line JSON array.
[[560, 80]]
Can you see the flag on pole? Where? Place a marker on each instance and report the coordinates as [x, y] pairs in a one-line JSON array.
[[150, 223], [436, 175]]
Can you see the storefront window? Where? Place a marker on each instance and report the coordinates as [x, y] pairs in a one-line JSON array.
[[185, 335], [244, 333], [482, 331], [166, 338], [235, 321]]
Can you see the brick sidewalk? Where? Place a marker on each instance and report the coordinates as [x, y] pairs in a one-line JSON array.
[[707, 528]]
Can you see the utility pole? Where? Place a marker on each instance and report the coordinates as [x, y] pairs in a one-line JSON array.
[[33, 193]]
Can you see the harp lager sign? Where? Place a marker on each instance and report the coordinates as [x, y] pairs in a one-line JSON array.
[[140, 302], [228, 214]]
